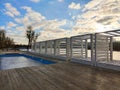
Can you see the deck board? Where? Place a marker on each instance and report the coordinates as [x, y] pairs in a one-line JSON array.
[[60, 76]]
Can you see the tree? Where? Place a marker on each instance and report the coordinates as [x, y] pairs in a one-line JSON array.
[[5, 42], [34, 40], [8, 43], [2, 38], [31, 35]]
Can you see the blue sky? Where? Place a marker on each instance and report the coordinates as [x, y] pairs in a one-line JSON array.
[[51, 9], [58, 18]]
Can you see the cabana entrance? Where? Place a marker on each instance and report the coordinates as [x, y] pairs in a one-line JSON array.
[[104, 49]]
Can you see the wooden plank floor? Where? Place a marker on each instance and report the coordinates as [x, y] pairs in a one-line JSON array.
[[61, 76]]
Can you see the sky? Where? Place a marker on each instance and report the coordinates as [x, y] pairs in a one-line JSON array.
[[54, 19]]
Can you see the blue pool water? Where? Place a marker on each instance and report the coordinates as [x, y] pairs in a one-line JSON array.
[[9, 61]]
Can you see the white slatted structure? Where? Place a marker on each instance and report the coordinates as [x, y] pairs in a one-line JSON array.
[[61, 47], [79, 46], [37, 48], [76, 49], [32, 47], [103, 48], [50, 47], [42, 47]]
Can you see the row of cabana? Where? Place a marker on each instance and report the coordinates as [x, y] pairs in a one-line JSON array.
[[93, 49]]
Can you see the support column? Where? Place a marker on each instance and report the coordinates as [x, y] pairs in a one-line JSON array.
[[111, 48], [67, 49], [86, 49], [81, 48], [32, 47], [35, 46], [107, 48], [71, 47], [45, 47], [40, 48], [92, 48], [95, 52], [55, 47]]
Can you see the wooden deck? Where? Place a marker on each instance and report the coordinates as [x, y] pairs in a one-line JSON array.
[[60, 76]]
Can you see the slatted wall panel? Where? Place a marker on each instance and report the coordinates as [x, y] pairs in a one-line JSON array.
[[50, 47], [61, 45], [42, 48], [102, 48], [37, 48], [79, 46]]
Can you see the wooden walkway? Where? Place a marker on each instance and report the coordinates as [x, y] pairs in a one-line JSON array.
[[60, 76]]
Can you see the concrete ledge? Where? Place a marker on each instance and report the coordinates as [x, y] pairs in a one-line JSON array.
[[82, 61], [109, 66], [48, 57]]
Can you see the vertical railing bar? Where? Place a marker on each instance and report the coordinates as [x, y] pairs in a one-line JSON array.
[[95, 58], [55, 47], [92, 47], [40, 48], [86, 49], [71, 48], [81, 48], [68, 48], [107, 48], [111, 48]]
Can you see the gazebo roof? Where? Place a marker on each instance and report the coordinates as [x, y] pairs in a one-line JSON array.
[[112, 33]]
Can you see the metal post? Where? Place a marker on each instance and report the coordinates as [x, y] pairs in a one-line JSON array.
[[55, 47], [111, 48], [107, 47], [32, 46], [42, 47], [95, 58], [71, 48], [52, 44], [81, 48], [39, 48], [45, 47], [35, 46], [92, 47], [86, 48], [67, 49]]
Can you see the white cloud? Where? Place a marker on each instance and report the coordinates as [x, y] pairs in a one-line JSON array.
[[35, 1], [30, 18], [99, 15], [18, 38], [11, 24], [60, 0], [21, 28], [11, 11], [2, 27], [74, 6], [50, 29], [54, 24]]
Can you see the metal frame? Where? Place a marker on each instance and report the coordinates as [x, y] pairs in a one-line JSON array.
[[101, 47]]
